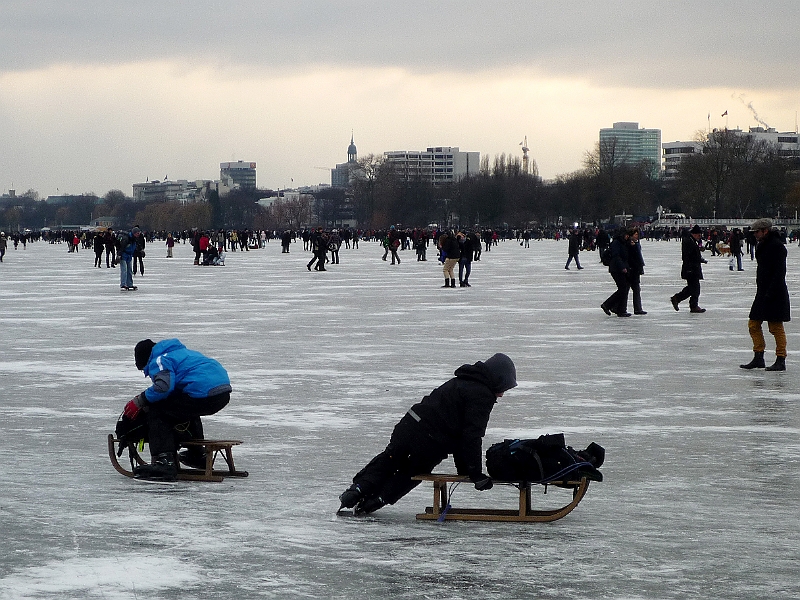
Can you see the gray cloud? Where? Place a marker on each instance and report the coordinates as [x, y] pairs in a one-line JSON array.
[[677, 44]]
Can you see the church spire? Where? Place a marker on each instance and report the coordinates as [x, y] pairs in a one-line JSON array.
[[352, 153]]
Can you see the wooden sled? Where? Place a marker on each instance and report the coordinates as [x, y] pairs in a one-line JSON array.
[[214, 448], [525, 514]]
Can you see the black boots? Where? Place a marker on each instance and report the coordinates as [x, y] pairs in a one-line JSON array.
[[778, 365], [446, 282], [756, 363], [351, 496], [162, 468], [194, 458], [369, 505]]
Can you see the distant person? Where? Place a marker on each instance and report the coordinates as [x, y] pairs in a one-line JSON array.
[[635, 270], [574, 249], [186, 386], [691, 271], [451, 419], [771, 303], [617, 302], [99, 247], [3, 244], [126, 247], [735, 244], [449, 255], [138, 255], [170, 243], [111, 248]]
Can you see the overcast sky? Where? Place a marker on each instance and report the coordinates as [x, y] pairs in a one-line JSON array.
[[100, 95]]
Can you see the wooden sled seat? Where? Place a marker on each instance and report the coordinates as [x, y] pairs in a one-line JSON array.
[[213, 449], [525, 514]]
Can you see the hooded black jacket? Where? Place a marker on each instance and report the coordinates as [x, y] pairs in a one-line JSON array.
[[456, 415]]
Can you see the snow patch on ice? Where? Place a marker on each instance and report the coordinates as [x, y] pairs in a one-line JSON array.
[[120, 576]]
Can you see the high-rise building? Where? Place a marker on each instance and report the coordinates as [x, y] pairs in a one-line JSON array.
[[437, 165], [634, 145], [243, 174]]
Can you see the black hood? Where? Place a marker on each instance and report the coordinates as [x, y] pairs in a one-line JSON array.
[[498, 373]]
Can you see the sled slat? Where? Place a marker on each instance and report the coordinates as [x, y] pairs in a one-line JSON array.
[[525, 514]]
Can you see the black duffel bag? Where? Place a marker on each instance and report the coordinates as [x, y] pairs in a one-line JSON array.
[[542, 460]]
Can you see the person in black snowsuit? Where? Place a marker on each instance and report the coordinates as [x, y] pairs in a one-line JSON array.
[[451, 419]]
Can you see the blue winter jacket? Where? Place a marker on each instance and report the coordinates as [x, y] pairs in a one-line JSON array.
[[173, 367], [127, 246]]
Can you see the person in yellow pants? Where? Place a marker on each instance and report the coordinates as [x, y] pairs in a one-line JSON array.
[[771, 303]]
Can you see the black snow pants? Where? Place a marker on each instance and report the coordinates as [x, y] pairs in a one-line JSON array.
[[412, 450], [177, 417]]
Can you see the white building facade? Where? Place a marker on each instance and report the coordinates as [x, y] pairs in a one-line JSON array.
[[675, 153], [437, 165]]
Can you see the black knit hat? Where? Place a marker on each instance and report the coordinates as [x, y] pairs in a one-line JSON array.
[[142, 353]]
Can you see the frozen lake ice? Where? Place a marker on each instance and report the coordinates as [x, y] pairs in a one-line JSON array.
[[700, 498]]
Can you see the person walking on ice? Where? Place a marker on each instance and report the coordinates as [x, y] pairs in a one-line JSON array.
[[771, 303], [451, 419]]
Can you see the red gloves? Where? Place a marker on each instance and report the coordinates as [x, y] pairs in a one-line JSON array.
[[133, 407]]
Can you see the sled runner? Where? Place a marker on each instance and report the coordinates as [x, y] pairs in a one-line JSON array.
[[213, 448], [441, 511]]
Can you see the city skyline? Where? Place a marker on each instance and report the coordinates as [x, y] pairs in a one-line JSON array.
[[96, 96]]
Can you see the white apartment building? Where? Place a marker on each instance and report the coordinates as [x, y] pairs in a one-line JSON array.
[[437, 165], [788, 144], [674, 153]]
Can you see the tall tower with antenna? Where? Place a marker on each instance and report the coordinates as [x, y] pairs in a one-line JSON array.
[[525, 149]]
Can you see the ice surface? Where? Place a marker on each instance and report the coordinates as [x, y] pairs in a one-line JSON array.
[[703, 459]]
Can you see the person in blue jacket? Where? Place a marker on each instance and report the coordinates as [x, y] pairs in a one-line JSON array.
[[127, 245], [186, 385]]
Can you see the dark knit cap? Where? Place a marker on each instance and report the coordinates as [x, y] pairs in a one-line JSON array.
[[142, 353], [696, 229], [504, 373]]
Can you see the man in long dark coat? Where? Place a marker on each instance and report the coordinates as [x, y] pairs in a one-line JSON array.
[[451, 419], [771, 303], [619, 267], [691, 271]]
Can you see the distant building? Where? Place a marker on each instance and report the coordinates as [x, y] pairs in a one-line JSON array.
[[437, 165], [788, 143], [243, 174], [182, 190], [637, 144], [157, 190], [343, 173], [675, 153]]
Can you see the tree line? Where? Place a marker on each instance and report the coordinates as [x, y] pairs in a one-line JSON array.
[[733, 175]]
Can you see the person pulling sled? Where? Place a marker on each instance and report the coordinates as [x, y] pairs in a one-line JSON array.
[[451, 419]]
